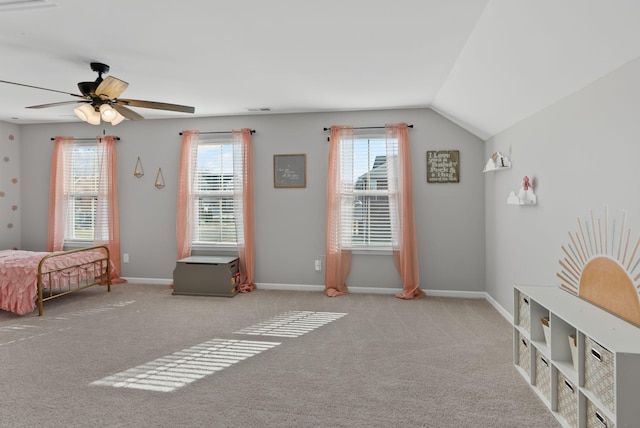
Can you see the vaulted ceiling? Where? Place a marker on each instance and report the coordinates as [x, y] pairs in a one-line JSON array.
[[484, 64]]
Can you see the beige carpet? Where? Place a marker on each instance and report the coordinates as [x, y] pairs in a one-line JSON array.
[[266, 359]]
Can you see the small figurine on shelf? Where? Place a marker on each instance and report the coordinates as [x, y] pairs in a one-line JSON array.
[[525, 196], [497, 161], [522, 194]]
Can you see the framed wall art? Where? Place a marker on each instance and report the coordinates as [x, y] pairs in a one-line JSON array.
[[443, 166], [290, 171]]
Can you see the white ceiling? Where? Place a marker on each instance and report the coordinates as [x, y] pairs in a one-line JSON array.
[[485, 64]]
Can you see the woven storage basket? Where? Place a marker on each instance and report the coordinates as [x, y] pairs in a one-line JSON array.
[[524, 355], [596, 418], [543, 375], [523, 311], [567, 401], [599, 373]]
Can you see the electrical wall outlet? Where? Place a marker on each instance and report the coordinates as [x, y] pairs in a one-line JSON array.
[[318, 265], [125, 258]]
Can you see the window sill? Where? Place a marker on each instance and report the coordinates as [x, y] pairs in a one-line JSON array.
[[74, 245], [217, 249], [372, 251]]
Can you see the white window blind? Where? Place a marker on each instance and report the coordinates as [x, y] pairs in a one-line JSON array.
[[81, 177], [213, 195], [365, 217]]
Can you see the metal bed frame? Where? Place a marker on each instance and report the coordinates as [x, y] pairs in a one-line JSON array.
[[69, 279]]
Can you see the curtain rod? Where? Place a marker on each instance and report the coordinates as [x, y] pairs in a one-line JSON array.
[[253, 131], [86, 139], [367, 127]]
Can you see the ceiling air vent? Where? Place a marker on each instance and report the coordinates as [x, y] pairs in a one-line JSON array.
[[259, 109], [7, 5]]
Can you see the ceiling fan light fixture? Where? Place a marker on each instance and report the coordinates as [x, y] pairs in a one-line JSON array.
[[88, 114], [102, 95], [107, 112], [81, 112], [117, 118]]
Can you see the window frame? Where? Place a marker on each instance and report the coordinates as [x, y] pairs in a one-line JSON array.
[[350, 242], [72, 195], [199, 195]]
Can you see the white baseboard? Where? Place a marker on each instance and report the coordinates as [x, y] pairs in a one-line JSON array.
[[373, 290], [153, 281], [458, 294], [353, 290], [502, 311], [288, 287]]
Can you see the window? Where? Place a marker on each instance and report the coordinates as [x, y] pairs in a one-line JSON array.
[[81, 187], [213, 195], [83, 202], [365, 194]]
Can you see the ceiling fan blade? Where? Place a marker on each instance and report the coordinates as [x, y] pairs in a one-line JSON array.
[[44, 89], [58, 104], [156, 105], [126, 112], [111, 87]]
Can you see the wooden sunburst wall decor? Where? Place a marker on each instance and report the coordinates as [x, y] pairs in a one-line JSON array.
[[602, 265]]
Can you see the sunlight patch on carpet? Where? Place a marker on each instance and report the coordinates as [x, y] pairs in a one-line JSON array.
[[22, 338], [292, 324], [16, 333], [16, 327], [93, 311], [183, 367]]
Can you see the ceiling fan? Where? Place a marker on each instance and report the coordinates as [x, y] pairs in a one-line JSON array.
[[100, 99]]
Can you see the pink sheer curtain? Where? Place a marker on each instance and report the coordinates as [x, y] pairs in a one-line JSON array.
[[107, 226], [404, 238], [57, 194], [243, 195], [186, 178], [338, 263]]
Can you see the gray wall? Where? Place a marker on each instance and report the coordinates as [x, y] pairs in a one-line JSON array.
[[290, 223], [583, 153], [10, 184]]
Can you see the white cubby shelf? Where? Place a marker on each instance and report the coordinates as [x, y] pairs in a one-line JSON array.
[[602, 387]]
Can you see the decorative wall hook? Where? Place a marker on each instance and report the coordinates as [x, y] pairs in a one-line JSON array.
[[138, 172], [159, 179]]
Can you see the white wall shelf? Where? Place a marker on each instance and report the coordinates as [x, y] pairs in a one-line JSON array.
[[497, 162], [525, 196], [499, 168], [602, 388]]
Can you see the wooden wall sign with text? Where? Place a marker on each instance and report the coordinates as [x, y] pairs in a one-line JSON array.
[[443, 166]]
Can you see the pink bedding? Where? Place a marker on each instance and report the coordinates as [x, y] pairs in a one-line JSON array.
[[19, 273]]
